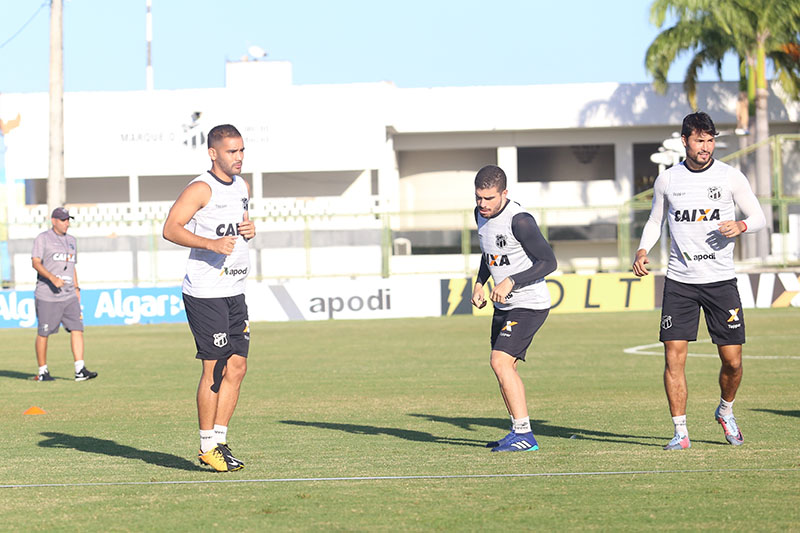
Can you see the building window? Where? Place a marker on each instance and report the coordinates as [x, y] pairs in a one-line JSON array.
[[644, 170], [580, 162]]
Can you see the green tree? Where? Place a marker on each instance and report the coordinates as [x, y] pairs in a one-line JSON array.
[[759, 32]]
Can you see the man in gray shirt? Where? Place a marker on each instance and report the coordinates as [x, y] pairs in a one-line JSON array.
[[57, 294]]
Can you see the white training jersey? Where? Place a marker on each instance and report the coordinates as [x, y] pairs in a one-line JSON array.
[[505, 256], [695, 203], [209, 274]]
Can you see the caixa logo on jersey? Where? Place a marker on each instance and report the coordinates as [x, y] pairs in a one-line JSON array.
[[223, 230], [61, 256], [496, 259], [696, 215]]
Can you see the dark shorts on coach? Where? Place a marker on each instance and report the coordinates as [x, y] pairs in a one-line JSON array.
[[49, 315], [220, 326], [722, 307], [513, 330]]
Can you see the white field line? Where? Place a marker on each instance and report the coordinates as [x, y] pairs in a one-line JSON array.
[[401, 478], [648, 349]]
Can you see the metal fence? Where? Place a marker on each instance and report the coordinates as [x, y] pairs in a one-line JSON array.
[[121, 244]]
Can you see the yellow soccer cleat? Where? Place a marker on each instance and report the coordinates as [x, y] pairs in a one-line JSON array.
[[220, 459]]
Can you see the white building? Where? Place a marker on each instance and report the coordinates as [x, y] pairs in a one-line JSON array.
[[368, 149]]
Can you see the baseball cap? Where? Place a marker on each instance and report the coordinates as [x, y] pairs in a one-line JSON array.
[[60, 213]]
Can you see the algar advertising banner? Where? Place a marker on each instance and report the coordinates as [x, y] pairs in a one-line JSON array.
[[102, 307]]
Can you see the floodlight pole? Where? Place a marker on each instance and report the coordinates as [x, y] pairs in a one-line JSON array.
[[149, 35], [56, 185]]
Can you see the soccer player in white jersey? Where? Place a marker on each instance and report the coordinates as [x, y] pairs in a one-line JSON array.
[[699, 197], [517, 256], [211, 218]]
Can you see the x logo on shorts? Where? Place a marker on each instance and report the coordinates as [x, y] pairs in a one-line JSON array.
[[508, 325]]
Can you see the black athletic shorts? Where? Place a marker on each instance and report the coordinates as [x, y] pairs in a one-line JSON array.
[[722, 307], [513, 330], [220, 326]]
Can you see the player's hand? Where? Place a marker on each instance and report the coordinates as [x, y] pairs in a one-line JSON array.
[[731, 228], [639, 263], [223, 245], [57, 282], [246, 227], [478, 300], [501, 290]]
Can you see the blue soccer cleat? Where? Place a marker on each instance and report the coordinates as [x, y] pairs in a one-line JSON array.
[[519, 442], [679, 442], [732, 432], [504, 440]]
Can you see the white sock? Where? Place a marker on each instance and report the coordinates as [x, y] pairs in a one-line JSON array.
[[206, 440], [680, 425], [79, 366], [725, 408], [42, 369], [521, 425], [220, 433]]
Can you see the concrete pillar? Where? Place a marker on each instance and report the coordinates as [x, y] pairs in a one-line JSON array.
[[389, 175], [133, 189], [258, 185], [623, 169], [507, 160]]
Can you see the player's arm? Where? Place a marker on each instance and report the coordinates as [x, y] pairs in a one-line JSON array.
[[191, 200], [38, 266], [478, 299], [652, 228], [538, 250], [75, 282], [747, 202]]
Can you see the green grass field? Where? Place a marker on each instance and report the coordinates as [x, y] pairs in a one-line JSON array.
[[399, 410]]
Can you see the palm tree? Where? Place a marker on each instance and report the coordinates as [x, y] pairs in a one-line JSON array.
[[758, 31]]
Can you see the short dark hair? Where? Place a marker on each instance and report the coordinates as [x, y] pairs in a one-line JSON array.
[[490, 177], [223, 131], [698, 121]]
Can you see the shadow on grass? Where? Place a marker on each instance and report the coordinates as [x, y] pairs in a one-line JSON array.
[[783, 412], [111, 448], [406, 434], [17, 375], [542, 428]]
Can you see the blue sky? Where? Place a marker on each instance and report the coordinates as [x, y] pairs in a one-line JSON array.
[[413, 43]]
